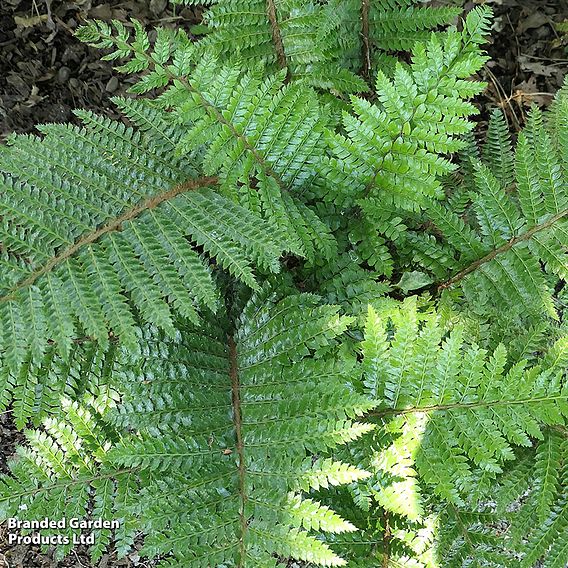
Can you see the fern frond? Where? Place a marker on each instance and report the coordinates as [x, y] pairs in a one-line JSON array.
[[397, 145], [455, 444], [35, 390], [540, 527], [225, 420], [292, 36], [263, 139], [466, 408], [498, 150], [319, 43], [500, 248], [258, 134], [61, 470], [111, 221]]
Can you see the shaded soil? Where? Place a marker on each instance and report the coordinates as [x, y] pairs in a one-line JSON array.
[[45, 73], [529, 57]]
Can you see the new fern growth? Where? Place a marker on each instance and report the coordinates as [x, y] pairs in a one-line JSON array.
[[287, 308]]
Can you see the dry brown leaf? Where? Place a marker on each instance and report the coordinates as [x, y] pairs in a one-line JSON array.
[[535, 20], [536, 67]]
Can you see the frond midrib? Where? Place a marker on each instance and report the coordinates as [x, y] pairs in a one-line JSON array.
[[526, 236], [113, 225], [464, 405]]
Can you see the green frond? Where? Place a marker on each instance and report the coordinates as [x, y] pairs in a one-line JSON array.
[[61, 470], [390, 148], [504, 239], [224, 420], [539, 525], [318, 43], [498, 150], [259, 136], [262, 138], [392, 26], [466, 410], [293, 35], [552, 534], [34, 391], [548, 468], [250, 132], [106, 220]]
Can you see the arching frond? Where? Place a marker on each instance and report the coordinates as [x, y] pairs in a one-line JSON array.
[[100, 218], [498, 256], [224, 420]]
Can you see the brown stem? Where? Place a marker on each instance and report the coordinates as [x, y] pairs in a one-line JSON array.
[[214, 111], [464, 405], [502, 249], [113, 225], [366, 44], [463, 529], [218, 115], [277, 37], [237, 418]]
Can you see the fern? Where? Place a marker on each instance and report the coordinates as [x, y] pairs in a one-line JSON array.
[[497, 254], [459, 394], [321, 43], [287, 308], [36, 389], [420, 113], [82, 251], [220, 419], [451, 421], [390, 157]]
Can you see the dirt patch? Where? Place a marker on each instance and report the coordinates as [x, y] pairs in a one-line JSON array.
[[45, 72], [10, 437], [529, 56]]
